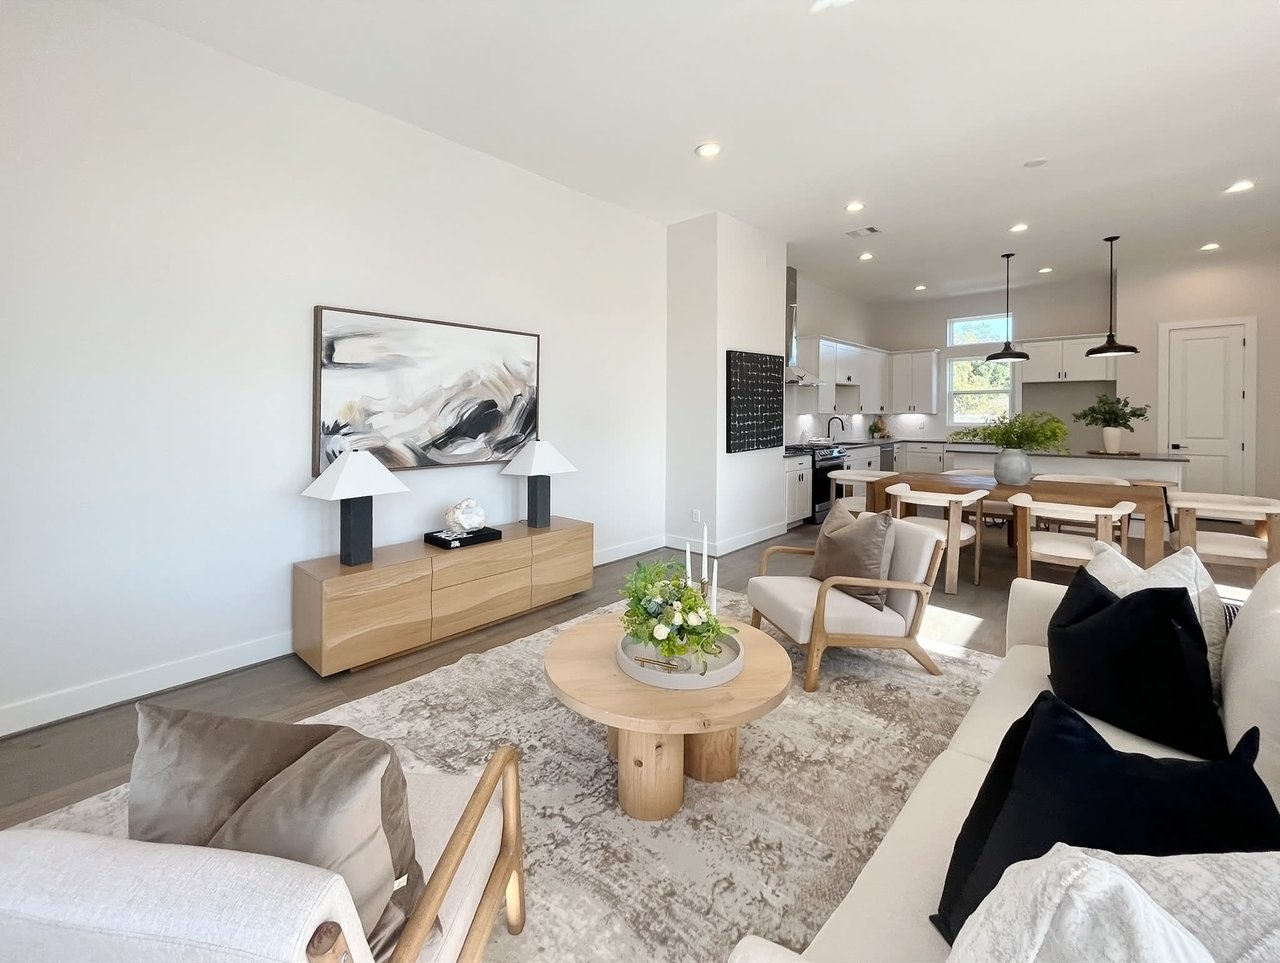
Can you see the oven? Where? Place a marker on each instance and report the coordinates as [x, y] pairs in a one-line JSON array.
[[825, 461]]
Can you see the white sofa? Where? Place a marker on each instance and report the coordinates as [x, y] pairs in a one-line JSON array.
[[885, 917]]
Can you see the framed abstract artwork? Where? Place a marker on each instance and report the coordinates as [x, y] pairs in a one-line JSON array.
[[753, 401], [419, 393]]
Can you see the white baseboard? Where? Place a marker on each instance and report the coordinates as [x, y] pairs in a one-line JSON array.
[[64, 703], [614, 552], [716, 549]]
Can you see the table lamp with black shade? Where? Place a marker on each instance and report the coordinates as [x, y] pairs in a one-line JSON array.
[[539, 460], [353, 479]]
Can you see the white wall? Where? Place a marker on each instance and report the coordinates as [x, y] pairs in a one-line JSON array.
[[751, 294], [1203, 288], [171, 215]]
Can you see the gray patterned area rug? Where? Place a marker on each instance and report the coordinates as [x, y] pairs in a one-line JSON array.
[[771, 852]]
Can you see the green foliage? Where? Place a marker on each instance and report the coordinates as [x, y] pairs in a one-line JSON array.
[[666, 612], [973, 374], [1030, 431], [1112, 412], [990, 330]]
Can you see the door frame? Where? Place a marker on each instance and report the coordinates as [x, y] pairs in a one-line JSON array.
[[1248, 468]]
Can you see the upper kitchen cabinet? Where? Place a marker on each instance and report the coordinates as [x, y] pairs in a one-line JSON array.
[[1065, 360], [851, 376], [913, 382], [872, 373]]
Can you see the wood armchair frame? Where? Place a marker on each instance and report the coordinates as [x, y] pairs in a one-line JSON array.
[[820, 639], [329, 945]]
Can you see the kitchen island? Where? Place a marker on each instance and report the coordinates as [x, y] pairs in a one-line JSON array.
[[1149, 467]]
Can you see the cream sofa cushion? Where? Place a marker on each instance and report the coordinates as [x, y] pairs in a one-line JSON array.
[[1251, 676], [1004, 699], [788, 601]]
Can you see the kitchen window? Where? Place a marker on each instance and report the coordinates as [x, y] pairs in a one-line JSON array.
[[984, 329], [978, 390]]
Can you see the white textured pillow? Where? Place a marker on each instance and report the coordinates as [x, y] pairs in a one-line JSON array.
[[1182, 569], [1069, 905]]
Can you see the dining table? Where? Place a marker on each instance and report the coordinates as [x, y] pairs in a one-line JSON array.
[[1149, 500]]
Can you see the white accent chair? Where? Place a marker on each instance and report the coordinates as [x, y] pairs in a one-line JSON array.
[[955, 532], [1062, 548], [75, 896], [810, 614], [1258, 551], [849, 478]]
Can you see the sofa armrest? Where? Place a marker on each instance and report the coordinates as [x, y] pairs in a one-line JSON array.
[[1031, 605], [756, 949], [66, 895], [781, 550]]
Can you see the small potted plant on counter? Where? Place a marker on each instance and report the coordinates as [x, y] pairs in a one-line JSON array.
[[1112, 415], [1015, 436]]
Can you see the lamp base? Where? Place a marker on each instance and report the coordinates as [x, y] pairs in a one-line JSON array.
[[357, 530], [539, 501]]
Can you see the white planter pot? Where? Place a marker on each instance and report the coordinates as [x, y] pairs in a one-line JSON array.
[[1013, 467], [721, 668], [1111, 440]]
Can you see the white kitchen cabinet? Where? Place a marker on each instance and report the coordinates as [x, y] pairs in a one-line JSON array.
[[913, 383], [870, 370], [846, 365], [827, 377], [1064, 360], [854, 378], [922, 456], [798, 488]]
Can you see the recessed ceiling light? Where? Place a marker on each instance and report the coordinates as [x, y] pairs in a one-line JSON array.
[[1239, 187], [853, 207], [1211, 246], [921, 287], [865, 256], [707, 150], [1017, 228], [1036, 162], [1046, 270]]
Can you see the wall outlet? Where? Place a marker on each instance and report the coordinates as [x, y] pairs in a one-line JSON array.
[[697, 515]]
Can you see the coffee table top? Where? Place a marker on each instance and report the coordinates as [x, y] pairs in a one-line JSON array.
[[582, 670]]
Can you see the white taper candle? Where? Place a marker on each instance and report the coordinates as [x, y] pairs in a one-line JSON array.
[[715, 583]]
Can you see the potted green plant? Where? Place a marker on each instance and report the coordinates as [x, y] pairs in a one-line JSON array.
[[1112, 415], [1015, 436]]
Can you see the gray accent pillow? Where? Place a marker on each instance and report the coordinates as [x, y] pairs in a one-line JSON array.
[[317, 794], [857, 547]]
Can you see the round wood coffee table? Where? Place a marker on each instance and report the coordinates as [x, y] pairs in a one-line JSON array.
[[659, 736]]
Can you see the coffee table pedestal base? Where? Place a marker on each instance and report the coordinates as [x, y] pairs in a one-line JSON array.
[[711, 756], [650, 774]]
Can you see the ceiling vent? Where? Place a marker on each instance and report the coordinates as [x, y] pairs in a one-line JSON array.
[[863, 232]]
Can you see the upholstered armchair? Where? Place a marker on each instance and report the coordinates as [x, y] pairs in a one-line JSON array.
[[811, 614], [67, 895]]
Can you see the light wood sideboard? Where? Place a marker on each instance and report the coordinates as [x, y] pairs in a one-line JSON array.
[[414, 594]]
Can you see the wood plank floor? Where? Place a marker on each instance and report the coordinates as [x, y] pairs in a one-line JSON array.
[[50, 767]]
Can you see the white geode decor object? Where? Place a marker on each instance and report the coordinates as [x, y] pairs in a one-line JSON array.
[[466, 516]]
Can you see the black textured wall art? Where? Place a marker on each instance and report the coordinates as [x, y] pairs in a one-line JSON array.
[[754, 401]]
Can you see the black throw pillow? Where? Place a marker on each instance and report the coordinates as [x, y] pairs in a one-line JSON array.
[[1138, 662], [1055, 780]]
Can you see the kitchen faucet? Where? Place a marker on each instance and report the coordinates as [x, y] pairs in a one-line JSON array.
[[835, 418]]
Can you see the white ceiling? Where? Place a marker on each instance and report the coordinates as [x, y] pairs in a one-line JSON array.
[[925, 110]]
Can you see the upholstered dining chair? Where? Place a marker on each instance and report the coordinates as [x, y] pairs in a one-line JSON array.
[[69, 895], [991, 508], [955, 532], [1258, 551], [812, 615], [1063, 548], [1121, 523], [850, 478]]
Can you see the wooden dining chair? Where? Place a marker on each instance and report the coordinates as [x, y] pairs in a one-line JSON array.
[[1258, 551], [956, 533], [850, 478], [1063, 548], [1122, 525], [997, 511]]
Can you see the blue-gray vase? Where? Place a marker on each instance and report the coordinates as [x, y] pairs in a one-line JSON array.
[[1013, 467]]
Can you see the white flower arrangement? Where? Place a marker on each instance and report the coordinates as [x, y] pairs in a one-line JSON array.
[[666, 612]]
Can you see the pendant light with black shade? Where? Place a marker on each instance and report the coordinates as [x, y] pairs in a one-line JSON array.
[[1008, 352], [1111, 348]]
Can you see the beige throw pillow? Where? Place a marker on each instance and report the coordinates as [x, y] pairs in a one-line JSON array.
[[317, 794], [858, 547]]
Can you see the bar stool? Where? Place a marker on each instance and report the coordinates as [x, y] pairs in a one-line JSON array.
[[848, 478], [955, 531], [1258, 551]]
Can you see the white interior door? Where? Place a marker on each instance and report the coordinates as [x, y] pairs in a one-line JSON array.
[[1206, 407]]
